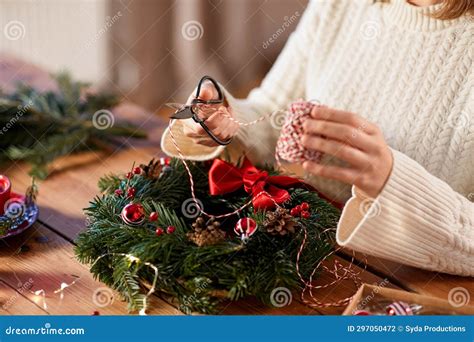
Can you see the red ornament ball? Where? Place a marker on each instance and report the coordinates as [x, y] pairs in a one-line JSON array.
[[133, 214], [245, 227], [96, 313], [305, 214], [304, 206], [159, 231], [137, 170], [294, 212], [129, 175], [153, 216], [170, 229], [118, 192]]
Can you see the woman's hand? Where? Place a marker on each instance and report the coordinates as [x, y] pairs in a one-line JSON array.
[[353, 139], [217, 118]]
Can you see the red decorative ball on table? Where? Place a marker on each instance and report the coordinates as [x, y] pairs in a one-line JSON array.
[[133, 214], [153, 216], [170, 229], [137, 170], [159, 231]]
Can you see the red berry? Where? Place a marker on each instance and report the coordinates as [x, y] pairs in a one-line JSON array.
[[305, 214], [170, 229], [304, 206], [137, 170], [96, 313], [298, 209], [294, 212], [129, 175], [131, 192], [159, 231], [153, 216], [118, 192]]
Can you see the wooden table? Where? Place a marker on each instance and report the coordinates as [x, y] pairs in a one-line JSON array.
[[38, 261]]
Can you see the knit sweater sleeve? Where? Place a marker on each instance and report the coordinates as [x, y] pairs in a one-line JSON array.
[[284, 83], [417, 220]]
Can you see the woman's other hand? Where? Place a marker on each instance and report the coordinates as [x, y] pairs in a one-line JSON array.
[[351, 138]]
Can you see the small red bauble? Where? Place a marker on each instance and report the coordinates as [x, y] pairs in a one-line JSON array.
[[304, 206], [118, 192], [245, 227], [96, 313], [294, 212], [305, 214], [170, 229], [159, 231], [137, 170], [153, 216], [131, 192], [133, 214], [129, 175]]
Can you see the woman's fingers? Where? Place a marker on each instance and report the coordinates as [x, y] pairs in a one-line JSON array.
[[343, 117], [345, 175], [341, 132], [336, 148]]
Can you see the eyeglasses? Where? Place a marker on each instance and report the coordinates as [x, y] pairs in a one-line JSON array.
[[197, 106]]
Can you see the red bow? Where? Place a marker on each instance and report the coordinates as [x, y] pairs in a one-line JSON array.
[[266, 190]]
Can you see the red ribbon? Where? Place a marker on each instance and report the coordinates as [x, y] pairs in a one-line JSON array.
[[265, 190]]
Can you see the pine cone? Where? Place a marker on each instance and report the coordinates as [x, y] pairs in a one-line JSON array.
[[206, 233], [279, 222], [153, 169]]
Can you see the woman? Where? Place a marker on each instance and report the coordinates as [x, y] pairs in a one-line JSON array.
[[396, 79]]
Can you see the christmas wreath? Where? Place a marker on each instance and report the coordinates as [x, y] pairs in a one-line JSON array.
[[228, 232]]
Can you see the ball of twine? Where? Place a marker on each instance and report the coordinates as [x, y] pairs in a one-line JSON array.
[[289, 146]]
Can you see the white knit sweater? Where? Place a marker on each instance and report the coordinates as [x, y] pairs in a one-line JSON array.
[[413, 76]]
